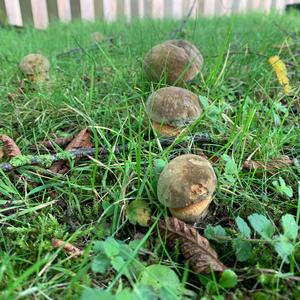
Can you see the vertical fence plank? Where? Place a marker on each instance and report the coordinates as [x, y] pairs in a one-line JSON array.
[[141, 9], [13, 12], [64, 10], [87, 10], [176, 9], [40, 13], [188, 5], [225, 7], [279, 5], [209, 8], [157, 9], [255, 5], [242, 6], [127, 9], [110, 9], [266, 5]]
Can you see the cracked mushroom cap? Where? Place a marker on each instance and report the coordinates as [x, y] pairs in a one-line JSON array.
[[177, 59], [34, 64], [174, 107], [187, 180]]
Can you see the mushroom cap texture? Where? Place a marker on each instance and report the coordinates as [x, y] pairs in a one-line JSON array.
[[186, 180], [192, 213], [173, 106], [174, 58], [34, 64]]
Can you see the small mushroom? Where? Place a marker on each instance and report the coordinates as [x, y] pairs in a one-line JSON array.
[[97, 37], [35, 67], [172, 108], [186, 186], [179, 60]]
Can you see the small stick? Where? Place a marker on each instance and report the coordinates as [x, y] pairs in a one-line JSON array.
[[183, 22], [39, 160]]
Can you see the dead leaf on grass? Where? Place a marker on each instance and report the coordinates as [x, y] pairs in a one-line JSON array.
[[81, 140], [194, 247], [10, 147], [272, 165], [68, 247]]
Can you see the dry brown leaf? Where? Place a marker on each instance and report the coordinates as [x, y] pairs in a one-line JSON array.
[[81, 140], [10, 147], [50, 145], [1, 153], [194, 247], [272, 165], [69, 248]]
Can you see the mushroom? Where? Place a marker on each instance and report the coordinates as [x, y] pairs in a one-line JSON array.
[[35, 67], [172, 108], [97, 37], [186, 186], [179, 60]]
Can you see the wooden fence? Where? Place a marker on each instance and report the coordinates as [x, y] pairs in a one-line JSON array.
[[40, 12]]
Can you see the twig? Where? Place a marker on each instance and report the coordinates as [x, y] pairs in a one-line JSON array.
[[48, 159], [184, 22]]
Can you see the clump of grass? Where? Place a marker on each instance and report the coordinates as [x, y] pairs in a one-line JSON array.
[[104, 88]]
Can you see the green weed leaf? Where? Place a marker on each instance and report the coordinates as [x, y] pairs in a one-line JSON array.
[[111, 247], [243, 249], [284, 247], [243, 227], [96, 294], [159, 165], [100, 263], [139, 212], [159, 276], [262, 226], [290, 227], [216, 233]]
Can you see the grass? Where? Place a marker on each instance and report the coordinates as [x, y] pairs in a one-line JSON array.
[[105, 89]]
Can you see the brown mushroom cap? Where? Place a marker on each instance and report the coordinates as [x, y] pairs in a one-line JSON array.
[[97, 37], [173, 106], [174, 58], [34, 64], [186, 180]]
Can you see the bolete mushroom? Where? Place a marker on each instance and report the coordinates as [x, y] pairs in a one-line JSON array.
[[172, 108], [179, 60], [97, 37], [35, 67], [186, 186]]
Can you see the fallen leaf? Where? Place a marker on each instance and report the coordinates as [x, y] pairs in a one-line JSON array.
[[1, 153], [50, 145], [138, 211], [10, 147], [194, 247], [81, 140], [274, 164], [69, 248]]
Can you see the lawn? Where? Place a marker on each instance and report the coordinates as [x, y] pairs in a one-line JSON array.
[[103, 88]]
